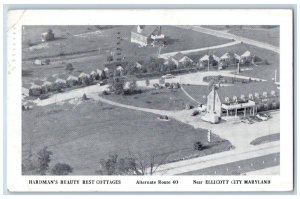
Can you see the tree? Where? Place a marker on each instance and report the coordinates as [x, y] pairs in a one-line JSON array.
[[211, 84], [133, 164], [69, 67], [61, 169], [44, 158], [109, 58], [84, 97], [118, 166]]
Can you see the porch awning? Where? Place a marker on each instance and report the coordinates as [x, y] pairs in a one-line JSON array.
[[238, 106]]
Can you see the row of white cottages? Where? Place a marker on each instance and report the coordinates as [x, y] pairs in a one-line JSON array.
[[226, 59], [54, 83]]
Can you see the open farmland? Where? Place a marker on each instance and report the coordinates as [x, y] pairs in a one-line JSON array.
[[81, 135], [162, 99]]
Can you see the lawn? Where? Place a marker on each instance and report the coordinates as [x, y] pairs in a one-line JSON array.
[[162, 99], [81, 135], [266, 139], [267, 34], [197, 92]]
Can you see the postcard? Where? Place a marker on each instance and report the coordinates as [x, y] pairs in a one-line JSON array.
[[137, 100]]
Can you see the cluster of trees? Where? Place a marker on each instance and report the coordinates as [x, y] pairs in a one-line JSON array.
[[132, 164], [119, 85], [39, 165]]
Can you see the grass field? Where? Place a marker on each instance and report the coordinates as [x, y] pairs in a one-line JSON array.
[[162, 99], [270, 35], [82, 135], [88, 52], [266, 139], [267, 34], [197, 92]]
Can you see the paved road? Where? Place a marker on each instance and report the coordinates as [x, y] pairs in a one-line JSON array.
[[167, 55], [226, 157], [240, 167]]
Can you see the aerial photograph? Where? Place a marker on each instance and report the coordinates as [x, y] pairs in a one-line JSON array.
[[150, 100]]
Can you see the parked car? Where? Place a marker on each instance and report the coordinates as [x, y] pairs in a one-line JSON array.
[[262, 117], [256, 119], [102, 83], [202, 107], [267, 115], [247, 121], [168, 76], [195, 112]]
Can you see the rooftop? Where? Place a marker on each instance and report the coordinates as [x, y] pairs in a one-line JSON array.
[[246, 89]]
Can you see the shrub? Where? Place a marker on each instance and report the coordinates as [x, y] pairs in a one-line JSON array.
[[167, 84], [84, 97], [69, 67], [198, 146], [61, 169]]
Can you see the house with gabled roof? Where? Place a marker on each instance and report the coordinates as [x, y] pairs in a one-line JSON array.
[[181, 60], [242, 99], [212, 60], [144, 35]]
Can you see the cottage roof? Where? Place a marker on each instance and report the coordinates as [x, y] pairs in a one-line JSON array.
[[179, 56], [35, 86], [215, 57], [46, 83], [246, 89], [246, 54], [204, 58], [83, 75], [120, 68], [58, 80], [236, 56], [71, 77], [225, 56], [146, 30], [195, 57]]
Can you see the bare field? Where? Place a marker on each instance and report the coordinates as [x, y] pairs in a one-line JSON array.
[[82, 135]]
